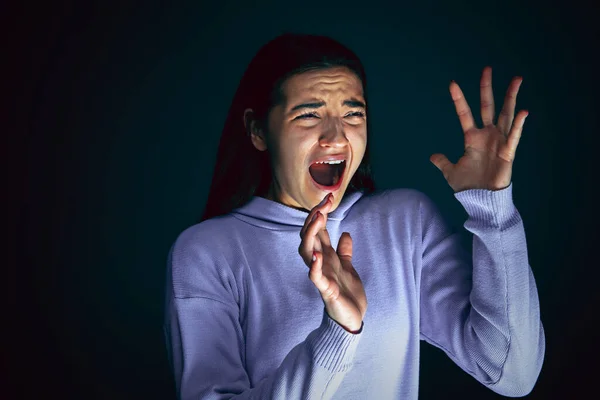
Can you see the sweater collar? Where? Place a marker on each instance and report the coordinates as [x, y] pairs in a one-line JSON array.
[[272, 215]]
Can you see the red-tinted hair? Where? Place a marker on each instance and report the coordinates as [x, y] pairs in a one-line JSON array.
[[242, 171]]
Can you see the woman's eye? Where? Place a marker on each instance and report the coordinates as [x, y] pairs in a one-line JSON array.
[[307, 115], [314, 115], [356, 114]]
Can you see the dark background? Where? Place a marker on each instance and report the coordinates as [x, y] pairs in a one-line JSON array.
[[119, 107]]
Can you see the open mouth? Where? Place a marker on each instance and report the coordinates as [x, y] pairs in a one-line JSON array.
[[327, 175]]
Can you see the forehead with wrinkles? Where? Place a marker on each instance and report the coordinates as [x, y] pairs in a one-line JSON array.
[[338, 81]]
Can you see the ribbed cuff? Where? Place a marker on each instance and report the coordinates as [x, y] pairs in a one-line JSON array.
[[332, 346], [491, 206]]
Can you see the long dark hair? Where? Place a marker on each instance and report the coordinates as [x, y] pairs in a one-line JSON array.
[[242, 171]]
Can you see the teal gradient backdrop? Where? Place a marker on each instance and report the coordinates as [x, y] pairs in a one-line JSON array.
[[123, 107]]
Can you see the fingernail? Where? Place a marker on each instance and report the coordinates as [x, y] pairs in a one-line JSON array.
[[323, 201], [314, 258]]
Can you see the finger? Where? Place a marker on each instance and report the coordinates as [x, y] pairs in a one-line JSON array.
[[344, 247], [323, 233], [306, 252], [320, 232], [515, 136], [462, 108], [442, 163], [324, 206], [311, 241], [316, 273], [487, 97], [507, 114], [344, 252], [311, 215]]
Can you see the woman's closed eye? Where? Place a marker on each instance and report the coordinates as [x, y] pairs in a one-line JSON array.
[[307, 115], [313, 114], [356, 114]]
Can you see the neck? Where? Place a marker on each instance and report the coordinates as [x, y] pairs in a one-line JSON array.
[[271, 193]]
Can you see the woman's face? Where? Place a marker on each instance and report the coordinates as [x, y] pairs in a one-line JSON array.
[[322, 115]]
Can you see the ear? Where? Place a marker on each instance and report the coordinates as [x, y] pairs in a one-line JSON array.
[[254, 131]]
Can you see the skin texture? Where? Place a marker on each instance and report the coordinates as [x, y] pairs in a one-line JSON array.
[[297, 137], [490, 150], [332, 271], [294, 140]]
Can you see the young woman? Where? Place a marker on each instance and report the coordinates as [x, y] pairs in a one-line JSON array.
[[292, 188]]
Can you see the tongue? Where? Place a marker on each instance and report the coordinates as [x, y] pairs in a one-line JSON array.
[[325, 174]]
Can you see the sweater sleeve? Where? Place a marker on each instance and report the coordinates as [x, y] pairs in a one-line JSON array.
[[206, 345], [484, 314]]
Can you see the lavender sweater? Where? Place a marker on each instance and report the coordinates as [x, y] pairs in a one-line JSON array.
[[244, 321]]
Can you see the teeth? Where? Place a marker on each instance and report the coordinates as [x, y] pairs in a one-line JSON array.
[[330, 162]]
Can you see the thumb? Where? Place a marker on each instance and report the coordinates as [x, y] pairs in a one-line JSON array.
[[344, 247], [442, 163]]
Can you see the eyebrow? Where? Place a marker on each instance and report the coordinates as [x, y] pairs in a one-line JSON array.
[[350, 103]]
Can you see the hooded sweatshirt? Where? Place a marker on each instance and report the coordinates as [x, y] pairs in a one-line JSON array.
[[244, 321]]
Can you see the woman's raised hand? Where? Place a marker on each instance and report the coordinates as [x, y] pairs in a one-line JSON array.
[[331, 271]]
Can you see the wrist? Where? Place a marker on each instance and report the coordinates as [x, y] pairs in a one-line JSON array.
[[354, 330]]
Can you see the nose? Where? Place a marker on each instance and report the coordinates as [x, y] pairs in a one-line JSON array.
[[333, 135]]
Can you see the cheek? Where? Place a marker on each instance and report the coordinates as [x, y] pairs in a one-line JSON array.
[[358, 141], [290, 161], [359, 146]]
